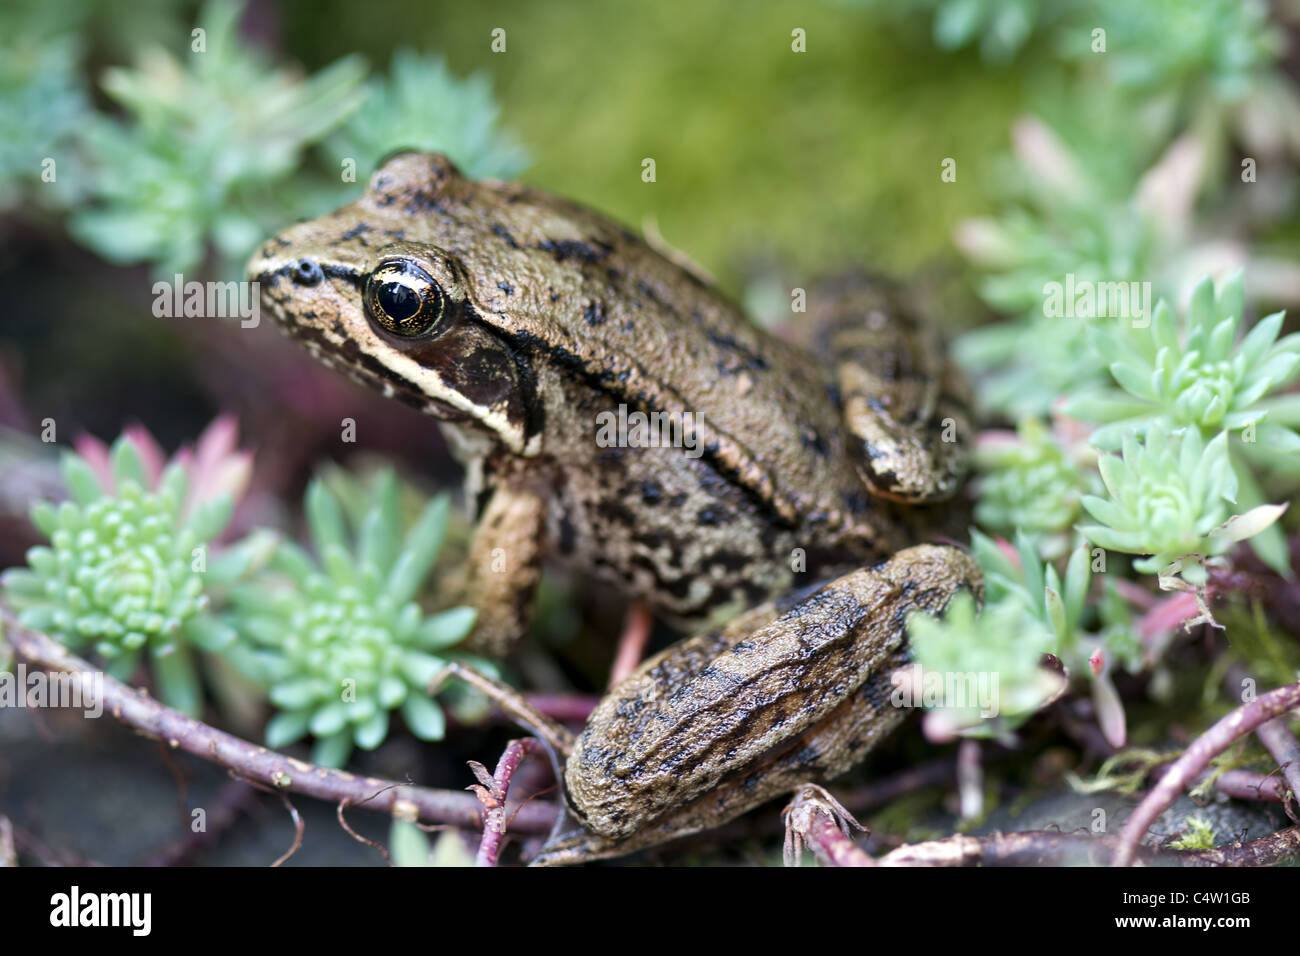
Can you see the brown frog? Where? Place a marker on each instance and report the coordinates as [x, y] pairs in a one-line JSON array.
[[617, 413]]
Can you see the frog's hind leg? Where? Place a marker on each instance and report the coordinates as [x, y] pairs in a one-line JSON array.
[[784, 695], [905, 406]]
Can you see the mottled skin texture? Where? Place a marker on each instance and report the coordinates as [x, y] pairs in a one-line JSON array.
[[817, 457], [555, 314]]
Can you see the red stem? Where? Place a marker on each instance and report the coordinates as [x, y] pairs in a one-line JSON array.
[[1197, 757]]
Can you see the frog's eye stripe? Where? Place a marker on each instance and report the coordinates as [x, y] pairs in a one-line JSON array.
[[402, 299]]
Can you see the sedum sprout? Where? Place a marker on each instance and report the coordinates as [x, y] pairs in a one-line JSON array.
[[340, 638]]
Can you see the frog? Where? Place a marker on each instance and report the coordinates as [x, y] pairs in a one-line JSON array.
[[799, 486]]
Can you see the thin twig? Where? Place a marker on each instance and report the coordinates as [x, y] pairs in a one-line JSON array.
[[492, 791], [1197, 757], [250, 761], [357, 836], [1278, 740], [1244, 785], [512, 702], [1053, 848], [299, 828]]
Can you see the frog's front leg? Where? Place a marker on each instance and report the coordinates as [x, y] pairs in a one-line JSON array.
[[789, 693], [903, 402], [503, 568]]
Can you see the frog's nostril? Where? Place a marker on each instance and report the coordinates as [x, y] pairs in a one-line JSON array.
[[307, 272]]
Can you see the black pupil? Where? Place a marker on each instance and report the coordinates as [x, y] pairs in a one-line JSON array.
[[399, 301]]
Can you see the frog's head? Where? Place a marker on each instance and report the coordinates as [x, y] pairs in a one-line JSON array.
[[379, 290]]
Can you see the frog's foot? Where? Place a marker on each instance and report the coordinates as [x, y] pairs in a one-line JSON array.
[[903, 403], [816, 819]]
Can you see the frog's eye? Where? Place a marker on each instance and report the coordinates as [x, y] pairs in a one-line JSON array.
[[403, 299]]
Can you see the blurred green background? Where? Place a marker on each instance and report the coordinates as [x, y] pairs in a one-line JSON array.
[[821, 158]]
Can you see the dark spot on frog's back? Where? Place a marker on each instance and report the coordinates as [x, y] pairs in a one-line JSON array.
[[713, 515], [564, 249], [595, 313], [503, 234], [730, 560], [356, 232], [751, 359]]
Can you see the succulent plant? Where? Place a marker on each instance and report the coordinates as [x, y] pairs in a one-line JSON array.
[[1169, 497], [128, 566], [1029, 483], [1200, 375], [423, 105], [1215, 47], [206, 152], [1001, 646], [1030, 610], [340, 639]]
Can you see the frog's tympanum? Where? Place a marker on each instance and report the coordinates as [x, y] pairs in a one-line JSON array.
[[615, 412]]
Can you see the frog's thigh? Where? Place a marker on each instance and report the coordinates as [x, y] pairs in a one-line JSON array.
[[504, 565], [903, 403], [919, 578]]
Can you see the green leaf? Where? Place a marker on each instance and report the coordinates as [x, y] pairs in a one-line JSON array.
[[447, 628], [329, 719], [178, 683], [292, 560], [286, 727], [1133, 379], [419, 551], [324, 518], [377, 541], [1200, 310], [208, 633], [334, 750], [407, 844], [1270, 544], [211, 518], [371, 734], [392, 691], [82, 483], [420, 669], [1232, 296], [298, 694], [1277, 440], [424, 717], [1078, 573], [127, 464], [1056, 614], [1257, 341]]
